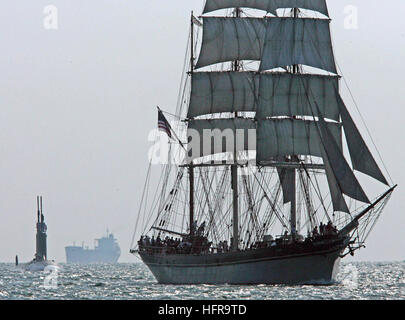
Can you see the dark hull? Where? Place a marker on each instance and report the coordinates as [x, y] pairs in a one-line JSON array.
[[292, 266]]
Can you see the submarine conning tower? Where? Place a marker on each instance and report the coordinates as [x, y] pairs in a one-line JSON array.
[[40, 254]]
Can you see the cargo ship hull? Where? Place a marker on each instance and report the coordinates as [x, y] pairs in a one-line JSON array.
[[78, 255]]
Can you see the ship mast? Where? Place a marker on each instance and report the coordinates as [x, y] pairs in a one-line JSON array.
[[293, 213], [191, 166], [234, 170]]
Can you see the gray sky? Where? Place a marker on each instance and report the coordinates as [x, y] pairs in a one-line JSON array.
[[77, 105]]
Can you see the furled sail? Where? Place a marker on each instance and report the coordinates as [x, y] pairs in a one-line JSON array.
[[282, 137], [362, 159], [276, 42], [267, 5], [229, 39], [216, 92], [210, 137], [268, 94], [291, 41], [342, 173]]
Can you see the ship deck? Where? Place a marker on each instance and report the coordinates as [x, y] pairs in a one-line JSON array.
[[158, 256]]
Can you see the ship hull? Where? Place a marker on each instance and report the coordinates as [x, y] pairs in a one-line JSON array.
[[78, 255], [246, 268], [34, 266]]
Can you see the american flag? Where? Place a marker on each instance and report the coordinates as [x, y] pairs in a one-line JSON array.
[[163, 124]]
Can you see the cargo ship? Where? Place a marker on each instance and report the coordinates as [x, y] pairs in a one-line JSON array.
[[106, 250]]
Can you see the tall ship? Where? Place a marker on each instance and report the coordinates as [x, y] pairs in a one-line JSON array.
[[260, 185], [40, 261], [106, 251]]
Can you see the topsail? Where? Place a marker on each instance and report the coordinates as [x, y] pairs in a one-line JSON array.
[[276, 42], [267, 94]]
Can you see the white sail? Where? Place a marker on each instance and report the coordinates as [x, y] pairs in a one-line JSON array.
[[267, 5], [210, 137], [229, 39], [283, 137], [291, 41]]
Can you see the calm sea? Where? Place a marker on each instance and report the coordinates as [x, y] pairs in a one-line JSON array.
[[134, 281]]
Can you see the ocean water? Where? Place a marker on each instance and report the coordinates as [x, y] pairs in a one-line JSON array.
[[377, 281]]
